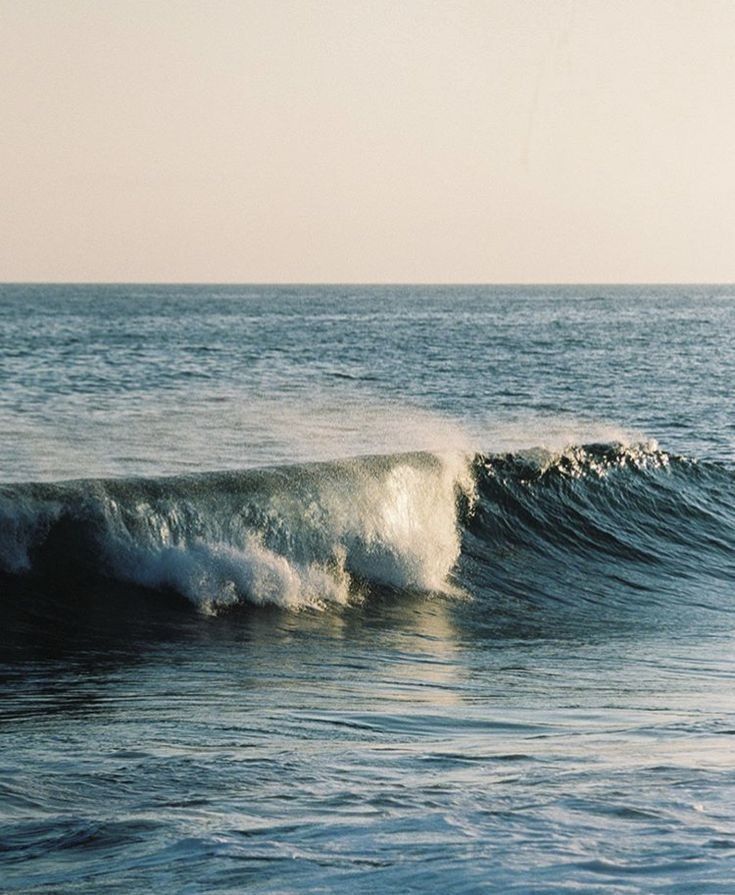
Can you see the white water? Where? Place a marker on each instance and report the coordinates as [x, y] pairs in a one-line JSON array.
[[292, 537]]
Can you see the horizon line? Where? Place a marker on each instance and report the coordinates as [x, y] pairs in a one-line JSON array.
[[382, 283]]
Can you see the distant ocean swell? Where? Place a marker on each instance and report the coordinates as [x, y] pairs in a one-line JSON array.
[[319, 534]]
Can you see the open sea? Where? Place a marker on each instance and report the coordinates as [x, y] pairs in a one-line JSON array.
[[367, 589]]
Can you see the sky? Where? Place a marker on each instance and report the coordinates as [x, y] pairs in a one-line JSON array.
[[510, 141]]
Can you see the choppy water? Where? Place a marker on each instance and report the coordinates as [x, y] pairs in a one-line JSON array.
[[376, 588]]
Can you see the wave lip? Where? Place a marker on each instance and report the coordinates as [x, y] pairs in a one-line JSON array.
[[579, 461], [294, 536]]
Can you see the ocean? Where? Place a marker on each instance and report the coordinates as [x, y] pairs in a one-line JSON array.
[[367, 588]]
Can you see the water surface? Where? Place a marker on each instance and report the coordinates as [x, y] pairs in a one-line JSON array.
[[385, 588]]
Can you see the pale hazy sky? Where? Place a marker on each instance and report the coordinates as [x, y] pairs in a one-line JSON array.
[[367, 141]]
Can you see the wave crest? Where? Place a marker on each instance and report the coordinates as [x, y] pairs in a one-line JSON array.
[[579, 461]]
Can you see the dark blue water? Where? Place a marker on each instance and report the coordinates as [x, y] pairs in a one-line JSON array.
[[367, 588]]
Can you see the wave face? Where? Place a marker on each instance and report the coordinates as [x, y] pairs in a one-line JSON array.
[[588, 524], [605, 530]]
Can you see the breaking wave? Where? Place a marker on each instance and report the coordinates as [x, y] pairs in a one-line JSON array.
[[295, 536], [327, 533]]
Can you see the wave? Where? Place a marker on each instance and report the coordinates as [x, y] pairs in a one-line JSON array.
[[534, 525]]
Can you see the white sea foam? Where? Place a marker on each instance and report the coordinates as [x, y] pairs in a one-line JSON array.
[[217, 575], [391, 521]]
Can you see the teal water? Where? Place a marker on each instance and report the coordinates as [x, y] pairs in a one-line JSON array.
[[378, 588]]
